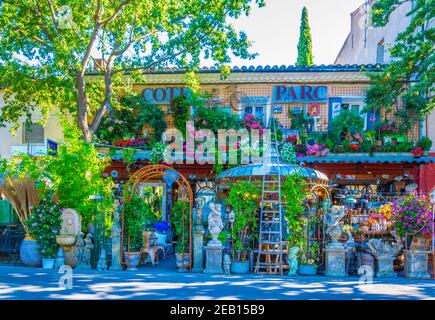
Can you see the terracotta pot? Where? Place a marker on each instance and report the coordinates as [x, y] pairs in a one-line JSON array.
[[29, 252], [48, 263], [239, 266], [182, 261], [132, 260]]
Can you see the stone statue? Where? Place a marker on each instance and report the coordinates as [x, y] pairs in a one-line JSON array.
[[116, 210], [227, 264], [333, 226], [87, 251], [293, 261], [102, 261], [215, 225]]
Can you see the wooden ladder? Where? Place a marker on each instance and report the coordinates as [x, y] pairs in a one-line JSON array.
[[270, 243]]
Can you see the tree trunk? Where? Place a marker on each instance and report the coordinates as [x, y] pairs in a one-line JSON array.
[[83, 109]]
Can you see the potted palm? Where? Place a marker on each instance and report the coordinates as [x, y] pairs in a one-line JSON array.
[[180, 220], [23, 196], [44, 225], [133, 225], [242, 198]]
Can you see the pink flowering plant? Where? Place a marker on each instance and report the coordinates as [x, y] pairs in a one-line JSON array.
[[316, 149], [413, 216], [253, 122], [44, 224]]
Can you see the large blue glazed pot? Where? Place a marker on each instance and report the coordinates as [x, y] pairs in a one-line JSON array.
[[240, 267], [29, 253], [307, 270]]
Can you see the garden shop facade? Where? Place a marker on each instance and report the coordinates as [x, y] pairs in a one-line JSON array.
[[304, 101]]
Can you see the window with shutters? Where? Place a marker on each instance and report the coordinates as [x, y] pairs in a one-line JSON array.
[[33, 133], [380, 52]]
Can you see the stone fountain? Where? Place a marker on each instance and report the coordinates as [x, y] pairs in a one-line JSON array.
[[67, 238]]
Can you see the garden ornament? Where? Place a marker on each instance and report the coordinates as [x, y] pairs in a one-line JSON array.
[[227, 264], [333, 225], [102, 261], [215, 225], [380, 248], [293, 261], [86, 256]]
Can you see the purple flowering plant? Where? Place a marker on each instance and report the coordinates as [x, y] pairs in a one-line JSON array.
[[44, 224], [413, 216]]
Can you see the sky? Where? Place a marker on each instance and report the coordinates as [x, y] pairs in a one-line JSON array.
[[274, 30]]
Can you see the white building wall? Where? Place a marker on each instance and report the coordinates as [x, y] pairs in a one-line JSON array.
[[361, 45], [52, 131]]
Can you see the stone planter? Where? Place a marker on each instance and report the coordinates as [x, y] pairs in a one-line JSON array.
[[307, 269], [182, 262], [132, 260], [240, 267], [416, 264], [48, 263], [385, 267], [29, 252]]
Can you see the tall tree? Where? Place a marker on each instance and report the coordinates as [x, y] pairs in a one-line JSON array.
[[305, 50], [410, 75], [48, 48]]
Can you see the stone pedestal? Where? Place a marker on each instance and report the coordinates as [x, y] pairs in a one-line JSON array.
[[198, 247], [116, 249], [335, 261], [385, 267], [60, 259], [416, 261], [214, 259]]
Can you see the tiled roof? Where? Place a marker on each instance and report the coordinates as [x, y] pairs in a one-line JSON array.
[[283, 68]]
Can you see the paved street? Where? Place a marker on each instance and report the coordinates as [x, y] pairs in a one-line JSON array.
[[148, 283]]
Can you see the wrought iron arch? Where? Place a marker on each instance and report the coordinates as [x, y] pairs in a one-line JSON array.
[[153, 172]]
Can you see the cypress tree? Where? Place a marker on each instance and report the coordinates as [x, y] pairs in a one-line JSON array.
[[305, 50]]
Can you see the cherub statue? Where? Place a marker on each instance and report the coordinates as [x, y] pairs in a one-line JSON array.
[[333, 226], [227, 264], [215, 225], [293, 261]]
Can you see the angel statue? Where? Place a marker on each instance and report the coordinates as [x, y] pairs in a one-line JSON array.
[[215, 225], [333, 225]]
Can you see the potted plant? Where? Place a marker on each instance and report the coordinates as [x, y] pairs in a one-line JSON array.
[[243, 198], [425, 144], [308, 266], [161, 230], [180, 220], [133, 225], [44, 224], [23, 196]]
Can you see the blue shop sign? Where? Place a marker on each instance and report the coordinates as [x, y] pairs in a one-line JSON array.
[[52, 147], [288, 94]]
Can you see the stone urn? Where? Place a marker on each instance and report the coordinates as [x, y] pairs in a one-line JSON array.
[[132, 260], [182, 262], [29, 252]]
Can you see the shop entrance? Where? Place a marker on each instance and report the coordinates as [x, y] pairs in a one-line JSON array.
[[160, 184]]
